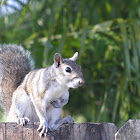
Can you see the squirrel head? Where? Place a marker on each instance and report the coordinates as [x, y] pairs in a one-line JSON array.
[[68, 72]]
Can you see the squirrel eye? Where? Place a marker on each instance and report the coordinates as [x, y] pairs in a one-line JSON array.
[[68, 69]]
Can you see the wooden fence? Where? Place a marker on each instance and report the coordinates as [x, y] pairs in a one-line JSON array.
[[73, 131]]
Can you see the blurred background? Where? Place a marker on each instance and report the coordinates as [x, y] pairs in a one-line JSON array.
[[107, 36]]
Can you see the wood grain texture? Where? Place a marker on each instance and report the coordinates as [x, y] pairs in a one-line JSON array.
[[73, 131], [13, 131], [129, 131], [2, 131]]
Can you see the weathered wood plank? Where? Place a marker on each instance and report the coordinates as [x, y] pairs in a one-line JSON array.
[[13, 131], [86, 131], [129, 131], [36, 134], [2, 131], [107, 131], [73, 131], [28, 132]]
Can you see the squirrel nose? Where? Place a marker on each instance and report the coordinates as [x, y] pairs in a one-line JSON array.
[[81, 82]]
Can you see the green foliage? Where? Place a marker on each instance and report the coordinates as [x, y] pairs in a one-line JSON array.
[[107, 39]]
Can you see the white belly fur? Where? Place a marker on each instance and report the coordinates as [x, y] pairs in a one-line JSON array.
[[55, 92]]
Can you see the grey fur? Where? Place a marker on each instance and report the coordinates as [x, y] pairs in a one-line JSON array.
[[37, 95], [15, 63]]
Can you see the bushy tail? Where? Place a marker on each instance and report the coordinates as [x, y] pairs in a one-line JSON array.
[[15, 63]]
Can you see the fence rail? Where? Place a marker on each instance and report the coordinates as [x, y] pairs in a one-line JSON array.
[[73, 131]]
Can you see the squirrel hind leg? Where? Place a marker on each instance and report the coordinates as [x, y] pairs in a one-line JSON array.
[[22, 121]]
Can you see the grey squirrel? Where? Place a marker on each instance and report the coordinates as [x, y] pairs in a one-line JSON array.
[[36, 95]]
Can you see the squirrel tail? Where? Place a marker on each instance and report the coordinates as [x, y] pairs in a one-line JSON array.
[[15, 63]]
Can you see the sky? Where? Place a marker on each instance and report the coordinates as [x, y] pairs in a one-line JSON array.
[[7, 9]]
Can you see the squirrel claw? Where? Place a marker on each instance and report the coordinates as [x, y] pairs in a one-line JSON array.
[[43, 131], [22, 121], [69, 119], [42, 134]]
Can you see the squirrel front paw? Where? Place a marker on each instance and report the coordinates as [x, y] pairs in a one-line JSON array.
[[57, 103], [69, 119], [22, 121], [43, 129]]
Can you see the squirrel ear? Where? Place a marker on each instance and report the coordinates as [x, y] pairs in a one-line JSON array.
[[57, 59], [75, 56]]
